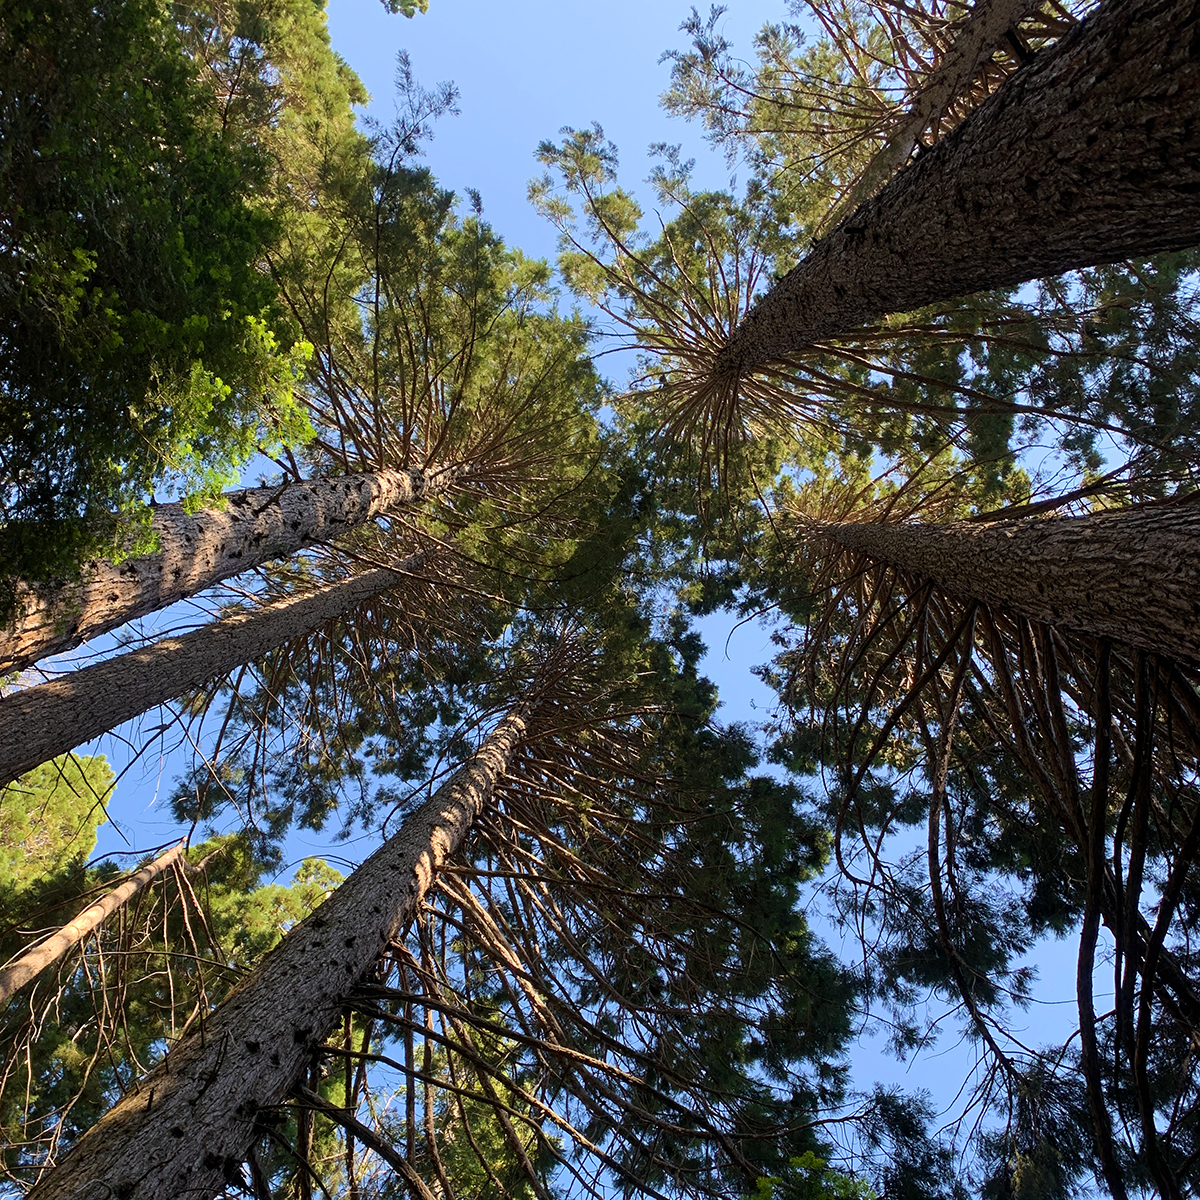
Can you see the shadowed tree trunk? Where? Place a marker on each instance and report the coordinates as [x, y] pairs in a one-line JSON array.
[[40, 722], [189, 1125], [201, 549], [1089, 154], [1132, 575], [974, 44]]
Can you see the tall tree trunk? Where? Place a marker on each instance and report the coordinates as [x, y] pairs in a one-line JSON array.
[[190, 1124], [201, 549], [56, 947], [40, 722], [1089, 154], [974, 44], [1132, 575]]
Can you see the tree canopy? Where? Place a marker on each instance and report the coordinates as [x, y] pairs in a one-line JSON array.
[[605, 941], [151, 162]]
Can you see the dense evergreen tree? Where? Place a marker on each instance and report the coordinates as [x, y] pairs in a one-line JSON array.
[[1105, 356], [450, 357], [1028, 755], [143, 344], [685, 1060], [173, 173]]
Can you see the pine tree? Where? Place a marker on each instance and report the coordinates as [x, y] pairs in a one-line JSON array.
[[1106, 354], [607, 985], [1022, 188], [454, 350], [552, 1007], [83, 1028], [945, 705], [210, 1091]]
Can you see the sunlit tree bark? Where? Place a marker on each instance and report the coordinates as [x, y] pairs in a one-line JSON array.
[[198, 550], [976, 42], [56, 947]]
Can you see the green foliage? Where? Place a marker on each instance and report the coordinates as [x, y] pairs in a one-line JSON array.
[[452, 349], [152, 158], [449, 342], [806, 114], [697, 1022], [810, 1178], [48, 822], [996, 400], [617, 979]]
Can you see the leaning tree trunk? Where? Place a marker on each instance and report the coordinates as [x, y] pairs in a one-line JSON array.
[[56, 947], [1089, 154], [40, 722], [201, 549], [974, 44], [1132, 575], [189, 1125]]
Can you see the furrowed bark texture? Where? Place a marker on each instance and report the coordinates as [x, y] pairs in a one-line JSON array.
[[56, 947], [40, 722], [1089, 154], [1131, 575], [975, 43], [200, 550], [186, 1130]]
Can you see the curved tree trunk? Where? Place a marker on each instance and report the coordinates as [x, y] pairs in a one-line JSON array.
[[201, 549], [1090, 154], [1132, 575], [56, 947], [188, 1127], [40, 722], [975, 43]]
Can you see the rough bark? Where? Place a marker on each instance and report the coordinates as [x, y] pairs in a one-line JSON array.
[[56, 947], [201, 549], [1131, 575], [188, 1127], [977, 40], [40, 722], [1089, 154]]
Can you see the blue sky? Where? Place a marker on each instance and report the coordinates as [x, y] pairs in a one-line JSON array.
[[525, 70]]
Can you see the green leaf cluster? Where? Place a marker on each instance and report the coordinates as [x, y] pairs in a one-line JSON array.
[[157, 160]]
